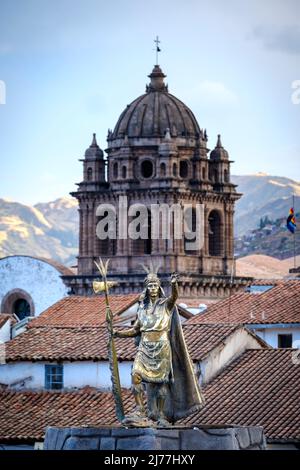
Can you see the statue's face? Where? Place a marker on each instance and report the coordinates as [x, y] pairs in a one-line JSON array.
[[153, 289]]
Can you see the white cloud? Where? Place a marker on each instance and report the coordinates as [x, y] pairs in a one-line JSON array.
[[281, 38]]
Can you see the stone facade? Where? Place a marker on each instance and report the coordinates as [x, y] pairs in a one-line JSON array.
[[202, 438], [157, 154]]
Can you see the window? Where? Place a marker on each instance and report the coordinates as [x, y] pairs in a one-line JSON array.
[[54, 377], [257, 289], [115, 170], [183, 169], [285, 341], [147, 169], [226, 176], [124, 172], [191, 220], [89, 174], [174, 169], [214, 234], [21, 308], [162, 169], [216, 176], [203, 174], [141, 246]]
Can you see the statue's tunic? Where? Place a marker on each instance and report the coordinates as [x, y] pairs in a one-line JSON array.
[[153, 361]]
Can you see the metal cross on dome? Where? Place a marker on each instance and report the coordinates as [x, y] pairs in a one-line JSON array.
[[157, 48]]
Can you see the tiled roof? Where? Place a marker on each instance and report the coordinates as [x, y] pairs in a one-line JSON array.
[[26, 415], [72, 344], [280, 304], [262, 387], [76, 311]]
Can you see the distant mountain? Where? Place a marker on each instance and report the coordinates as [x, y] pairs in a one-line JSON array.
[[271, 238], [263, 195], [47, 230], [264, 267], [51, 229]]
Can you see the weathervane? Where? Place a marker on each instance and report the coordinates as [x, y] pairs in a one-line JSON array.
[[157, 48]]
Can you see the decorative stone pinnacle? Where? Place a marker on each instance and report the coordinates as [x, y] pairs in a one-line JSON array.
[[94, 141], [219, 143]]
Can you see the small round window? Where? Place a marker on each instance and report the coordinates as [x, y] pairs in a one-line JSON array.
[[147, 169]]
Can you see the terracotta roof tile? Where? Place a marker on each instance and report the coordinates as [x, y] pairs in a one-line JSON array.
[[26, 415], [67, 344], [280, 304], [262, 387], [76, 311], [70, 344]]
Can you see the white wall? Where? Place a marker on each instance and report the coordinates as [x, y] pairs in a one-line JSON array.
[[270, 335], [38, 278], [76, 374], [5, 331], [232, 347], [95, 374], [12, 372]]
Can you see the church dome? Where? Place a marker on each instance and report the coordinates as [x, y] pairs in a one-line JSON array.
[[151, 114]]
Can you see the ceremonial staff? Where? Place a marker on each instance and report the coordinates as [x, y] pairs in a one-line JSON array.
[[112, 355]]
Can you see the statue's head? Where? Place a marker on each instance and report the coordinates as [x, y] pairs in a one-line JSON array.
[[152, 288], [152, 285]]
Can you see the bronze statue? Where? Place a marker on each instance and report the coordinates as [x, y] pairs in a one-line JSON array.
[[162, 363]]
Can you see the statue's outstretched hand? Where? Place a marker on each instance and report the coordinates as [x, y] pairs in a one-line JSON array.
[[174, 278]]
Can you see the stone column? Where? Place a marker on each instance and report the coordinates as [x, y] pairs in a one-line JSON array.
[[80, 231]]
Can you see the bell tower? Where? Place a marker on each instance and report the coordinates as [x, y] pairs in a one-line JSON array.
[[93, 182], [157, 155]]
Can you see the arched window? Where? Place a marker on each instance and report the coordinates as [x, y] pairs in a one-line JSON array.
[[142, 246], [183, 169], [124, 172], [191, 220], [89, 174], [215, 229], [21, 308], [216, 176], [226, 176], [174, 169], [162, 169], [147, 169], [106, 244], [115, 170], [203, 174]]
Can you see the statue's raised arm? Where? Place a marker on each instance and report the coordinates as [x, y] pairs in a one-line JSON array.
[[174, 292]]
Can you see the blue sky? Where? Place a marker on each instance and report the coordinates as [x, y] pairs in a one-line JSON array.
[[70, 67]]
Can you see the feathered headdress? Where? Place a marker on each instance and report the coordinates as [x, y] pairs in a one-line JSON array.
[[152, 276]]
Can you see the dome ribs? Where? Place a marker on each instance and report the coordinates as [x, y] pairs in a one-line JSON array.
[[156, 115], [152, 113], [136, 103], [143, 118], [168, 117], [174, 101]]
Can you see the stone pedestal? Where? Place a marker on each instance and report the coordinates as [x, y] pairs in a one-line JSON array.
[[196, 438]]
